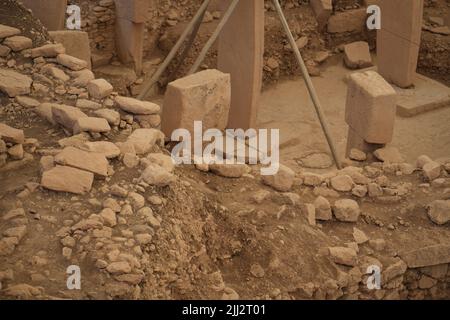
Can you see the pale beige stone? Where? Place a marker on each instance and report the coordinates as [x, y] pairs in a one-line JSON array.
[[398, 40], [70, 62], [13, 83], [91, 124], [76, 44], [371, 107], [242, 57], [203, 96], [89, 161], [67, 179], [99, 88]]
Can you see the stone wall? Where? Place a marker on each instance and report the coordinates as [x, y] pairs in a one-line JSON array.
[[98, 20]]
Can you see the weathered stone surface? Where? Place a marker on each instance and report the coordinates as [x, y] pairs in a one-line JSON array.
[[75, 42], [132, 10], [389, 155], [157, 175], [82, 77], [13, 83], [357, 55], [130, 42], [55, 73], [394, 270], [144, 139], [247, 21], [357, 155], [136, 106], [70, 62], [4, 51], [10, 134], [432, 170], [312, 179], [99, 88], [112, 116], [44, 110], [88, 104], [18, 43], [422, 160], [27, 102], [347, 21], [343, 255], [203, 96], [359, 236], [371, 107], [66, 116], [148, 121], [16, 152], [439, 211], [67, 179], [427, 256], [229, 170], [91, 124], [398, 40], [7, 31], [323, 209], [342, 183], [48, 50], [346, 210], [89, 161], [108, 149], [282, 180], [109, 217]]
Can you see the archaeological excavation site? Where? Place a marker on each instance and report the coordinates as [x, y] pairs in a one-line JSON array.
[[224, 150]]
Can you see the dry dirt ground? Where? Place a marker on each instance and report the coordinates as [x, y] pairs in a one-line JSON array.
[[228, 238]]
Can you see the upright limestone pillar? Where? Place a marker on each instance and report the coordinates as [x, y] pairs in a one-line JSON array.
[[52, 13], [131, 16], [370, 111], [398, 40], [241, 49]]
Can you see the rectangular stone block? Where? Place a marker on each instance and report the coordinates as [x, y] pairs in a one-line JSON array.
[[371, 107], [52, 13], [241, 49], [133, 10], [203, 96], [76, 43], [322, 10], [66, 116], [398, 40], [130, 43], [67, 179], [89, 161]]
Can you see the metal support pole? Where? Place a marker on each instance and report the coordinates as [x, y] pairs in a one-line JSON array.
[[150, 83], [213, 37], [188, 46], [309, 84]]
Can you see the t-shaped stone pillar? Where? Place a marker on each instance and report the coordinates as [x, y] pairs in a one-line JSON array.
[[241, 49], [52, 13], [130, 26], [398, 40]]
